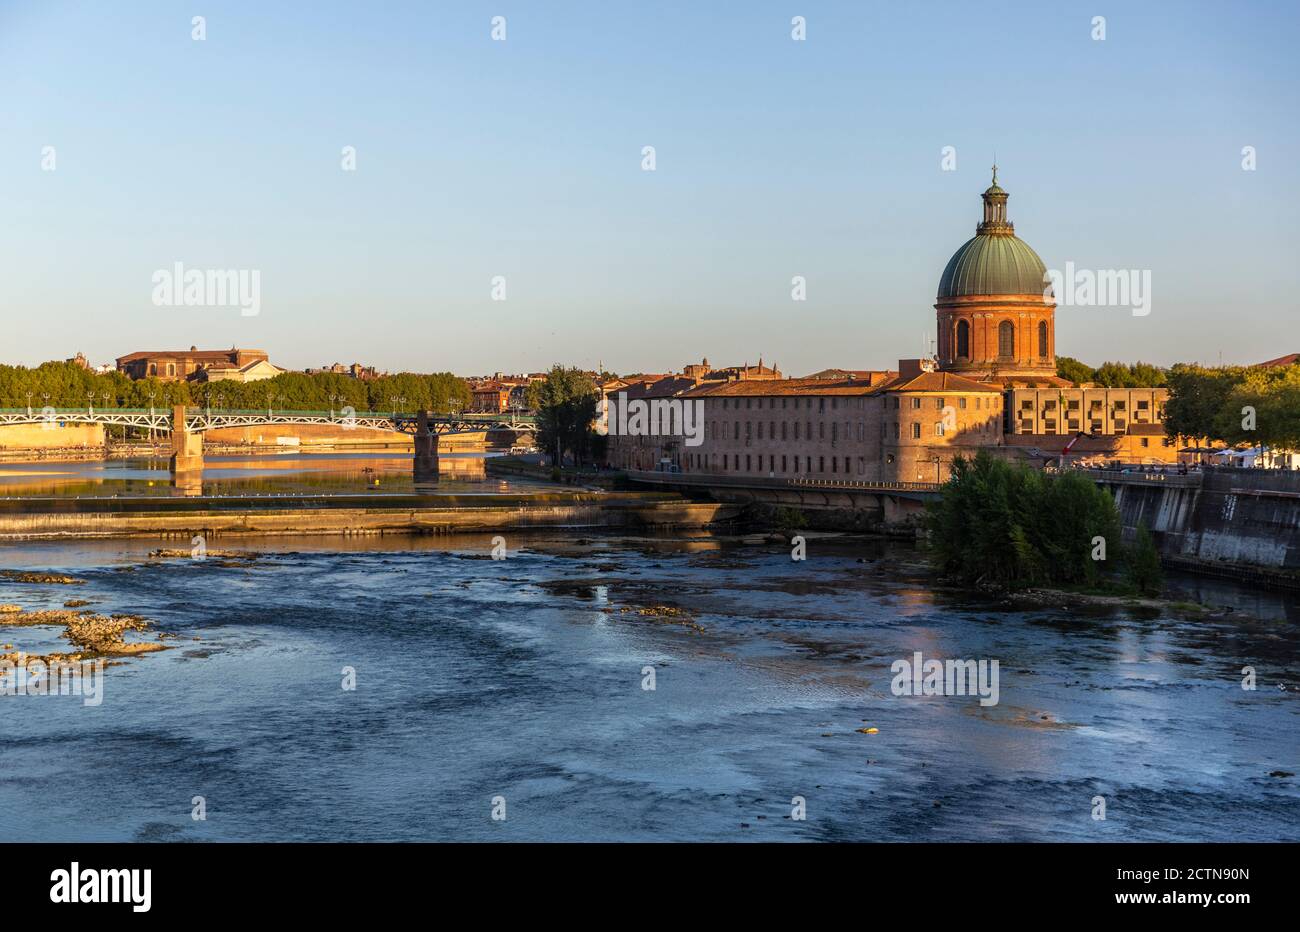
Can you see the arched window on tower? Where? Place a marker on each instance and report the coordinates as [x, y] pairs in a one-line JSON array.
[[1006, 339], [1042, 339], [963, 340]]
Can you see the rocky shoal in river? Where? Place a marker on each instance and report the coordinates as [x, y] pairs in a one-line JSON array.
[[93, 636]]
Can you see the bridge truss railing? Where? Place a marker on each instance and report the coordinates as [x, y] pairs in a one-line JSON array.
[[202, 419]]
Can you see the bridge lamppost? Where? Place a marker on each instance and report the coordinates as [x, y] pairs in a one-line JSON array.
[[90, 403], [333, 399], [29, 404]]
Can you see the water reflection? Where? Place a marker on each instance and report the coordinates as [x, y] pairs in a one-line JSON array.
[[378, 472]]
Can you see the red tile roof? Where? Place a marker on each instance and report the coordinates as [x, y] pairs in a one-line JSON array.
[[940, 382]]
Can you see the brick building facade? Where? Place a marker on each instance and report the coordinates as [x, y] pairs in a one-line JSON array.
[[993, 386]]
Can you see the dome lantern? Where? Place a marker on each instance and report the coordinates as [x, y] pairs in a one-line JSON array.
[[995, 210]]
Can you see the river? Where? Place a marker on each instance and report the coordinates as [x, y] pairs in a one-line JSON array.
[[520, 685]]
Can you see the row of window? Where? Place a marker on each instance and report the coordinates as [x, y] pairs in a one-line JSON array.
[[981, 427], [786, 430], [1094, 404], [793, 403], [731, 462], [1006, 339], [914, 400], [1072, 426], [940, 403]]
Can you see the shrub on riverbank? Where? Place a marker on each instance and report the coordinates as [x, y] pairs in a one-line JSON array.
[[1010, 526], [788, 519], [1142, 564]]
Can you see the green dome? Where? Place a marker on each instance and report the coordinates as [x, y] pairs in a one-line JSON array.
[[993, 263]]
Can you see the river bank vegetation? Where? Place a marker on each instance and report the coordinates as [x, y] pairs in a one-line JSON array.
[[1007, 526]]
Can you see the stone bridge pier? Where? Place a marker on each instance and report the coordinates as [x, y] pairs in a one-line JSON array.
[[426, 449], [187, 446]]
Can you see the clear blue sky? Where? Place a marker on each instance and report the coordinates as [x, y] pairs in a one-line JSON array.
[[522, 158]]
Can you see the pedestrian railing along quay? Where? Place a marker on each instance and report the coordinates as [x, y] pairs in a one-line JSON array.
[[773, 482], [1131, 477], [867, 485]]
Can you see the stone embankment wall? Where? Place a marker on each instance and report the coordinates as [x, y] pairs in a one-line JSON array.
[[182, 518], [50, 436], [1237, 522]]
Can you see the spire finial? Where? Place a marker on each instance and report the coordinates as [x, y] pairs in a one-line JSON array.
[[995, 169]]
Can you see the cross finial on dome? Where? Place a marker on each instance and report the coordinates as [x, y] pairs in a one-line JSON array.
[[995, 170]]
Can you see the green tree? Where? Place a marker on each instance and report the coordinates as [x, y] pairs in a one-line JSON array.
[[565, 412], [1142, 563], [1077, 372], [1009, 526], [533, 395], [1125, 375], [1198, 396]]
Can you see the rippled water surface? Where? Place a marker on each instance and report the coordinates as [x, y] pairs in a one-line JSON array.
[[523, 679]]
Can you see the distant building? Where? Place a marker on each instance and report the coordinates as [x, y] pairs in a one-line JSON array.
[[704, 372], [354, 371], [869, 376], [182, 365], [491, 397], [1288, 360], [254, 371]]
